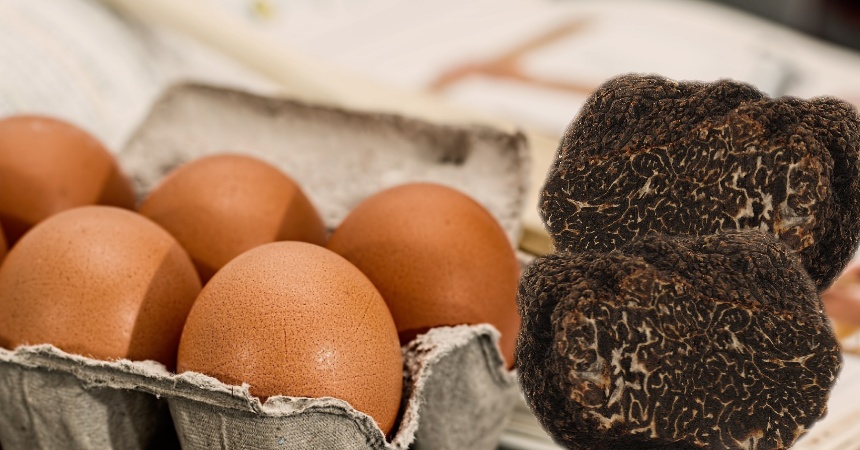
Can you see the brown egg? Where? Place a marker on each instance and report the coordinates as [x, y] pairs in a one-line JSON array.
[[47, 166], [97, 281], [220, 206], [291, 318], [437, 257]]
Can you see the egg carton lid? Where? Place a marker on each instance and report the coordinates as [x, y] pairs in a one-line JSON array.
[[339, 157]]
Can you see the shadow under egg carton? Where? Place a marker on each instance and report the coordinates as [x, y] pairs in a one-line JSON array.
[[457, 395]]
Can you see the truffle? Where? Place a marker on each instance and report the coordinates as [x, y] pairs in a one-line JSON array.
[[717, 341], [648, 154]]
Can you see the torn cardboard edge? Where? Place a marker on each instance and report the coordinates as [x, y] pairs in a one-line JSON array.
[[422, 359]]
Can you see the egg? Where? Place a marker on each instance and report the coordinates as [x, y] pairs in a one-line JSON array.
[[220, 206], [97, 281], [292, 318], [437, 257], [47, 166]]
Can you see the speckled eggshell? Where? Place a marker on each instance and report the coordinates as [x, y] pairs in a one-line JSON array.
[[291, 318], [219, 206], [97, 281], [437, 257], [48, 166]]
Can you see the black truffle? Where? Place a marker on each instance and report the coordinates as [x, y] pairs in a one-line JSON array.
[[647, 154], [676, 343]]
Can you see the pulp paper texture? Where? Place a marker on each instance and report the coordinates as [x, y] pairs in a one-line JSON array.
[[457, 392], [337, 156], [458, 395], [52, 400], [453, 374]]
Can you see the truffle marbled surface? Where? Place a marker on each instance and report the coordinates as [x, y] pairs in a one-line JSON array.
[[651, 154], [676, 343]]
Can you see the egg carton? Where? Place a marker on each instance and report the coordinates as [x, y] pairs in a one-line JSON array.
[[458, 395], [457, 392]]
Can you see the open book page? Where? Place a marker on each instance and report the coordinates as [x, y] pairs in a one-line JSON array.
[[80, 61], [535, 61]]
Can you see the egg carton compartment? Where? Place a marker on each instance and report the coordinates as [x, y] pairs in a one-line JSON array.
[[457, 395], [457, 392], [54, 400], [338, 157]]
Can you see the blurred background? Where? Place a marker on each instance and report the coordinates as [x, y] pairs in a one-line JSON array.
[[531, 62]]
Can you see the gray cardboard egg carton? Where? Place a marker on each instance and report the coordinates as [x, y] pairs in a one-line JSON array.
[[457, 393]]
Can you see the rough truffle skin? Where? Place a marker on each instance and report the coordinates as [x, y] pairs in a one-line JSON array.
[[716, 342], [648, 154]]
